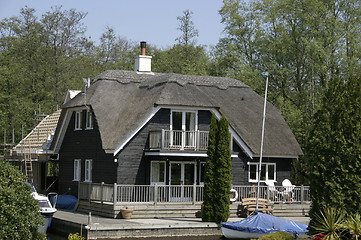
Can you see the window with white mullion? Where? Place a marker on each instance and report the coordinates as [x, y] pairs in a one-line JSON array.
[[77, 170], [183, 125], [268, 172], [78, 120], [89, 119], [88, 170], [158, 174]]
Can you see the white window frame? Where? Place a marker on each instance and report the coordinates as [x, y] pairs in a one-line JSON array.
[[78, 120], [89, 120], [151, 173], [88, 170], [200, 172], [184, 112], [77, 170], [257, 168]]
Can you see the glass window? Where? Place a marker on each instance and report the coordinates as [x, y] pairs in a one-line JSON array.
[[89, 120], [88, 170], [253, 172], [268, 172], [158, 172], [77, 168], [78, 120], [176, 120], [202, 171]]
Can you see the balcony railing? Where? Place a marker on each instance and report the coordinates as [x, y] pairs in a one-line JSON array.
[[178, 140], [182, 193]]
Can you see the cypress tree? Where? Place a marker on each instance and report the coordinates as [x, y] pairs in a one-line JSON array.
[[334, 149], [218, 175], [223, 172], [209, 180]]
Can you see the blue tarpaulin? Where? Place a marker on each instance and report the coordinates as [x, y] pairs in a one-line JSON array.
[[66, 202], [264, 223]]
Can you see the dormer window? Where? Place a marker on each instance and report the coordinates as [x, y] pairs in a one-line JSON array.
[[89, 119], [78, 120]]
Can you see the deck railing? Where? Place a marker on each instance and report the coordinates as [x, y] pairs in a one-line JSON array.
[[182, 193], [178, 140]]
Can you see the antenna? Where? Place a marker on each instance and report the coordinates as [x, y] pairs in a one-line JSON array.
[[86, 86], [262, 139]]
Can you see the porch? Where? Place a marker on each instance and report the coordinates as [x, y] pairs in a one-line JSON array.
[[149, 201]]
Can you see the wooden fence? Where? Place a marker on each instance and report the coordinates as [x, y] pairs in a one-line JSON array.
[[182, 193]]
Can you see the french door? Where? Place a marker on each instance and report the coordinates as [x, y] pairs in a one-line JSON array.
[[183, 129], [181, 174]]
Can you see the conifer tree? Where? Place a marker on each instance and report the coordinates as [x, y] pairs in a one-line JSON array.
[[209, 190], [223, 172], [218, 175], [334, 150]]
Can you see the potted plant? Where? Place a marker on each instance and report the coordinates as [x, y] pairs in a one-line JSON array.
[[126, 212]]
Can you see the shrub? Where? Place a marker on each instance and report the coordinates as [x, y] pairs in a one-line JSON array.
[[75, 236], [19, 211], [329, 222]]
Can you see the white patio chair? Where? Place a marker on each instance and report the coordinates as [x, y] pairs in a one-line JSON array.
[[273, 192], [287, 193]]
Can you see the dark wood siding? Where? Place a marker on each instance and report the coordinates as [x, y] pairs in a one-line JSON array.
[[83, 144], [133, 167], [240, 167]]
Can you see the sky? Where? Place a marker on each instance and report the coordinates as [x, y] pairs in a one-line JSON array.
[[153, 21]]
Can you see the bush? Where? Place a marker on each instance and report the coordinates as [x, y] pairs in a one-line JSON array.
[[19, 211], [278, 236], [75, 236]]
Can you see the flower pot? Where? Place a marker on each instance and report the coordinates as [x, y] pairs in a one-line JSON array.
[[126, 213]]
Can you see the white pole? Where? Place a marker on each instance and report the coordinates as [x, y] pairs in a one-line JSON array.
[[262, 138]]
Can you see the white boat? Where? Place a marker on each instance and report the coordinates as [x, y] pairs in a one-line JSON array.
[[260, 224], [46, 209]]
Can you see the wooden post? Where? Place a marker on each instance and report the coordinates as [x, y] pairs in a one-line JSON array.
[[89, 191], [155, 194], [79, 192], [302, 193], [194, 194], [162, 140], [101, 192], [115, 195], [268, 194]]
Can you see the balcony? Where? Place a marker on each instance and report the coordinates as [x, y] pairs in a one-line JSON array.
[[178, 140]]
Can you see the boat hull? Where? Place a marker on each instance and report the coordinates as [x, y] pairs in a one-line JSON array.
[[236, 234], [46, 222]]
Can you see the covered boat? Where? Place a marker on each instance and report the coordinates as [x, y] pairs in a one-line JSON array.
[[261, 224]]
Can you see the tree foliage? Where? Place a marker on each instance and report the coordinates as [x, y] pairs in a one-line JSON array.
[[218, 175], [334, 148], [302, 44], [186, 26], [209, 175], [19, 211]]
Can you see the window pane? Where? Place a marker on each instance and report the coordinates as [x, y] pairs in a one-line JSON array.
[[89, 123], [177, 120], [271, 172], [202, 171], [158, 169], [253, 171], [190, 121], [263, 172]]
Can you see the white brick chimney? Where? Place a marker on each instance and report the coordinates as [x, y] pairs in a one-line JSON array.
[[143, 63]]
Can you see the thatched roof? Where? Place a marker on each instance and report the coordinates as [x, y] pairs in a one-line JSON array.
[[123, 100], [38, 139]]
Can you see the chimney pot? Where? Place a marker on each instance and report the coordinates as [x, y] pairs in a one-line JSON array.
[[143, 46]]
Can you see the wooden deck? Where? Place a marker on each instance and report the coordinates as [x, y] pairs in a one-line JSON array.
[[152, 201], [179, 210]]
